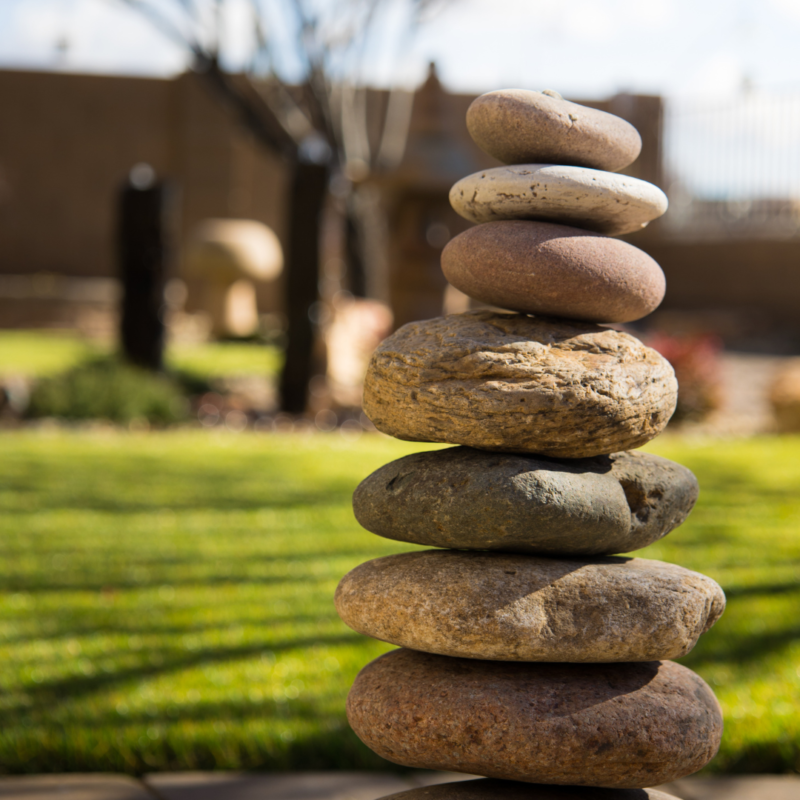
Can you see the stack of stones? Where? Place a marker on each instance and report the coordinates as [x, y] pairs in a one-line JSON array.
[[529, 652]]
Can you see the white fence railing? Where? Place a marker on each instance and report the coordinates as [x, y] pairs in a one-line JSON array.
[[733, 166]]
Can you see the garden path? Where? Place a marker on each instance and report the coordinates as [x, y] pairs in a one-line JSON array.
[[330, 786]]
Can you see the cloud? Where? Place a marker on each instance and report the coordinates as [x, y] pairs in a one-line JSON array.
[[791, 8]]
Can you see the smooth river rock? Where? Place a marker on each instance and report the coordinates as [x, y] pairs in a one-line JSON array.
[[526, 608], [587, 198], [491, 789], [513, 383], [612, 725], [476, 500], [555, 270], [519, 126]]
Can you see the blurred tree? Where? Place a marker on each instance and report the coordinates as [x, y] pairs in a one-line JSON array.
[[299, 90]]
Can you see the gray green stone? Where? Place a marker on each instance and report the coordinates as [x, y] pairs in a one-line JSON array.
[[476, 500]]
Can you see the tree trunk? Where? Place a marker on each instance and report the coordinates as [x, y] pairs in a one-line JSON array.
[[307, 197]]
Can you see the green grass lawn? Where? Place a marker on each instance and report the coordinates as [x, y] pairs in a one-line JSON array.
[[167, 598], [39, 353]]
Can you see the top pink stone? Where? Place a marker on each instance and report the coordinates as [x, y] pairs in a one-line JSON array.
[[518, 126]]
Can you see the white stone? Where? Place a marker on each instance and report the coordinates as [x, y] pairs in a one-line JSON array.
[[587, 198]]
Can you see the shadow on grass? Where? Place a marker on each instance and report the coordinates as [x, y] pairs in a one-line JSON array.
[[43, 695], [335, 748], [68, 629], [740, 649]]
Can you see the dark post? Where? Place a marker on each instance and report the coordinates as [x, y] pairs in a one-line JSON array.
[[142, 260], [308, 193]]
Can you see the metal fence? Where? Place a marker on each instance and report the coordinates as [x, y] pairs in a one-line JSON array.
[[732, 166]]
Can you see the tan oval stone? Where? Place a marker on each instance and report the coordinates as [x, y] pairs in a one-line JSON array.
[[612, 725], [491, 789], [519, 384], [476, 500], [518, 126], [587, 198], [524, 608], [554, 270]]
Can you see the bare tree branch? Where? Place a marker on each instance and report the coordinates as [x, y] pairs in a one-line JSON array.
[[164, 25]]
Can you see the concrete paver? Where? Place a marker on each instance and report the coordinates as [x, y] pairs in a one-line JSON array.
[[73, 787], [331, 786], [739, 787], [275, 786]]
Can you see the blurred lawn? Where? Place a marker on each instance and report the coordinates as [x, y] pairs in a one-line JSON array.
[[167, 599], [38, 353]]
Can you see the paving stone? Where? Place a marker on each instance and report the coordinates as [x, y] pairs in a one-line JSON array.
[[73, 787], [736, 787], [275, 786]]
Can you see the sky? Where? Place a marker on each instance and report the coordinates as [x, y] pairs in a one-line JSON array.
[[581, 48]]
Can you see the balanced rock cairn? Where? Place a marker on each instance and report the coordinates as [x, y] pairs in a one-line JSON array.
[[528, 651]]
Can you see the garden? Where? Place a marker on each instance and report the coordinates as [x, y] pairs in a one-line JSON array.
[[167, 597]]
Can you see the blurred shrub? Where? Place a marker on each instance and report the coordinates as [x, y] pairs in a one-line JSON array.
[[109, 389], [696, 361], [784, 397]]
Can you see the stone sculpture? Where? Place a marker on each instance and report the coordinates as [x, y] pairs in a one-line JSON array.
[[530, 652]]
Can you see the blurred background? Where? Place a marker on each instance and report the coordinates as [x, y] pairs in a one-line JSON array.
[[211, 212]]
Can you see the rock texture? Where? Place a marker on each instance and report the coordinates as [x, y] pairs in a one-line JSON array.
[[490, 789], [518, 126], [512, 383], [587, 198], [475, 500], [524, 608], [615, 726], [556, 270]]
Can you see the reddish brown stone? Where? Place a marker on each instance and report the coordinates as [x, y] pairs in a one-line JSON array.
[[519, 126], [555, 270], [612, 725]]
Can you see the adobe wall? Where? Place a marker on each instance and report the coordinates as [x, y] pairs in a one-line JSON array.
[[67, 143]]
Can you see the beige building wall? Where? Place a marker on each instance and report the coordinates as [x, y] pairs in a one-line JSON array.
[[67, 143]]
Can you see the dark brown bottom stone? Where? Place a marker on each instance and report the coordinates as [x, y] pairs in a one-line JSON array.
[[622, 726], [490, 789]]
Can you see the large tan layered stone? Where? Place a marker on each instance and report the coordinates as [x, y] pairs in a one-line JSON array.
[[490, 789], [555, 270], [610, 725], [524, 608], [587, 198], [519, 384], [519, 126]]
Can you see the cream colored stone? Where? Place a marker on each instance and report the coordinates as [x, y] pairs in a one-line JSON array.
[[587, 198], [524, 608], [519, 384]]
